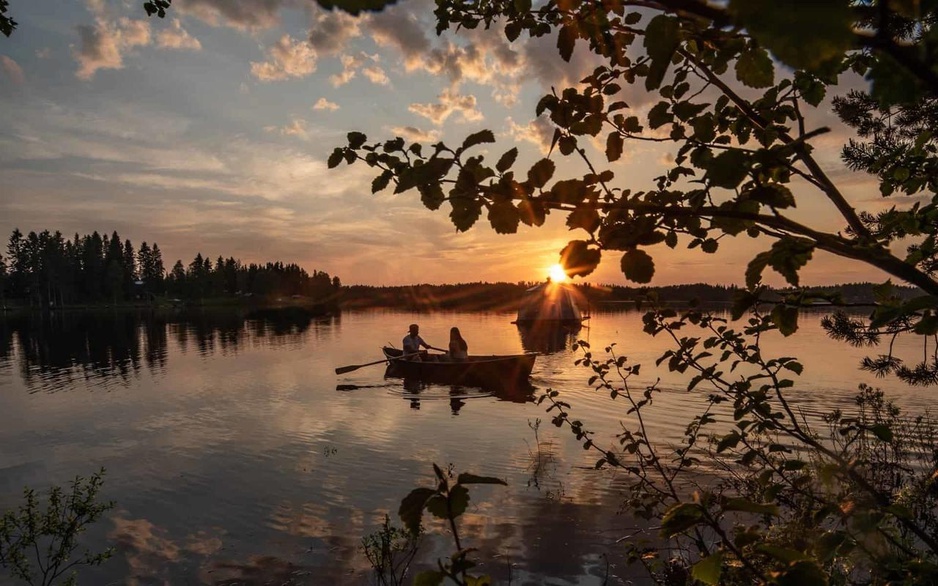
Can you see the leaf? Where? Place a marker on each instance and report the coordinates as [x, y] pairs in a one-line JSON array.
[[411, 509], [638, 266], [783, 554], [436, 506], [567, 145], [507, 160], [679, 518], [541, 172], [504, 217], [687, 110], [785, 317], [728, 169], [730, 440], [803, 573], [812, 90], [882, 431], [578, 259], [662, 38], [747, 506], [481, 137], [431, 195], [532, 212], [572, 191], [356, 140], [467, 478], [429, 578], [659, 115], [381, 181], [708, 569], [709, 245], [807, 34], [772, 194], [788, 255], [336, 157], [466, 211], [754, 68], [458, 500], [585, 217], [566, 39], [755, 268], [614, 146]]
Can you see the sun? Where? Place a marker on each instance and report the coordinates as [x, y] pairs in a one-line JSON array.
[[557, 274]]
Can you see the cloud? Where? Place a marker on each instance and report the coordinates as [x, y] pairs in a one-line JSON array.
[[297, 127], [539, 132], [412, 134], [350, 65], [286, 58], [376, 75], [449, 102], [487, 58], [12, 70], [544, 64], [399, 28], [44, 53], [102, 45], [176, 37], [331, 31], [239, 14], [324, 104]]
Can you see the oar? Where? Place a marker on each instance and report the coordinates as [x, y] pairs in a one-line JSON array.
[[350, 368]]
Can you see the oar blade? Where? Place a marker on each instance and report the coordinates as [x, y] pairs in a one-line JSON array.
[[344, 369]]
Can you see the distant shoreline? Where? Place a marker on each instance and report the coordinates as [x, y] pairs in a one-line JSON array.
[[497, 297]]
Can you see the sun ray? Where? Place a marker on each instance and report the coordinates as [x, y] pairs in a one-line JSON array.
[[557, 274]]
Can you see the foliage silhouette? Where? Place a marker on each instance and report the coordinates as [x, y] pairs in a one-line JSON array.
[[38, 543]]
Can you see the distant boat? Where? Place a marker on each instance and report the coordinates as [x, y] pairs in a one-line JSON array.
[[550, 304]]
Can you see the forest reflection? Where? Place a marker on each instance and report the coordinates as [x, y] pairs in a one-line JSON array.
[[53, 350]]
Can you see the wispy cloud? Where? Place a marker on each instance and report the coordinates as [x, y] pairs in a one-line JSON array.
[[539, 132], [287, 58], [324, 104], [449, 102], [239, 14], [297, 127], [13, 71], [102, 45], [176, 37]]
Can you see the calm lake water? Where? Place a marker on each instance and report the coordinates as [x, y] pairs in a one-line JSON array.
[[236, 455]]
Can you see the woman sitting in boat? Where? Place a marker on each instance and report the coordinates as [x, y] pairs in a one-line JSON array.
[[458, 348]]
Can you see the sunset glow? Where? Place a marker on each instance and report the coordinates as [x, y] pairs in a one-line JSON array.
[[557, 274]]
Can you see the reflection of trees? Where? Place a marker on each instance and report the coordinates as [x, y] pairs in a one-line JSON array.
[[63, 344], [53, 350]]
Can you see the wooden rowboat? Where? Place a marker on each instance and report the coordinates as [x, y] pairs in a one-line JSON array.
[[482, 371]]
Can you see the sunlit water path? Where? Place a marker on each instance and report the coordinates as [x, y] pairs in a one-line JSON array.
[[236, 455]]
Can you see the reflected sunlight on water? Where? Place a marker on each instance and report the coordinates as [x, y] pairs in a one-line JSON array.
[[236, 455]]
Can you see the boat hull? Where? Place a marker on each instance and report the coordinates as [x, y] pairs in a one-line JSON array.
[[483, 371]]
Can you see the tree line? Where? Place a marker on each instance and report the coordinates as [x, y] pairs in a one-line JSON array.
[[47, 269]]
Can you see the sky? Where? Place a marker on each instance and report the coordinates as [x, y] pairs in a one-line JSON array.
[[208, 131]]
